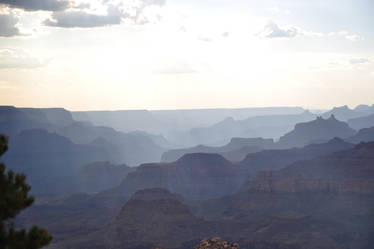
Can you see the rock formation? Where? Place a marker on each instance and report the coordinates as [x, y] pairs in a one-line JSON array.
[[216, 243], [314, 131], [277, 159], [363, 135], [194, 176], [235, 150], [362, 122], [99, 176]]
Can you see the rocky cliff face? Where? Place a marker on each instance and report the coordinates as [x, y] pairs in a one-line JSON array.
[[317, 130], [274, 182], [362, 122], [278, 159], [99, 176], [151, 218], [363, 135], [50, 161], [349, 171], [324, 203], [194, 176]]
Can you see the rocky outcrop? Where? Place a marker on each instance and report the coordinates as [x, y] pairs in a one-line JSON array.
[[317, 130], [216, 243]]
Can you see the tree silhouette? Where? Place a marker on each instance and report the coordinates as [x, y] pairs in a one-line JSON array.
[[13, 199]]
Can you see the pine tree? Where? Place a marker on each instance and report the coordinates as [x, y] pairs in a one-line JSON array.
[[13, 199]]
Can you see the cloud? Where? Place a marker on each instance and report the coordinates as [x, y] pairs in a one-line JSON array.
[[272, 30], [8, 25], [204, 38], [82, 6], [35, 5], [347, 35], [81, 19], [18, 58], [359, 60], [354, 38], [137, 12]]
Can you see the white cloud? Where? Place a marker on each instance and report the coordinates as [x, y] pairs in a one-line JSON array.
[[347, 35], [354, 38], [359, 60], [272, 30], [205, 38]]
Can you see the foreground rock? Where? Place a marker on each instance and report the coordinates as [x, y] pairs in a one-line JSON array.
[[216, 243]]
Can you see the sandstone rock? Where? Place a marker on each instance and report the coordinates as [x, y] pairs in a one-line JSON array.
[[216, 243]]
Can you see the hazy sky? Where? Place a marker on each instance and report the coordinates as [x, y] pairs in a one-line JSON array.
[[157, 54]]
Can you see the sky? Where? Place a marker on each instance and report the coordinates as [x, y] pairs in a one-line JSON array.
[[185, 54]]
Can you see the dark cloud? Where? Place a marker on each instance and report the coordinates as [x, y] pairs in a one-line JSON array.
[[8, 26], [81, 19], [272, 30], [34, 5], [115, 14], [83, 6]]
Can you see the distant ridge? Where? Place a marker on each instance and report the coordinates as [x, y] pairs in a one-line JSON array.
[[317, 130], [235, 150]]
